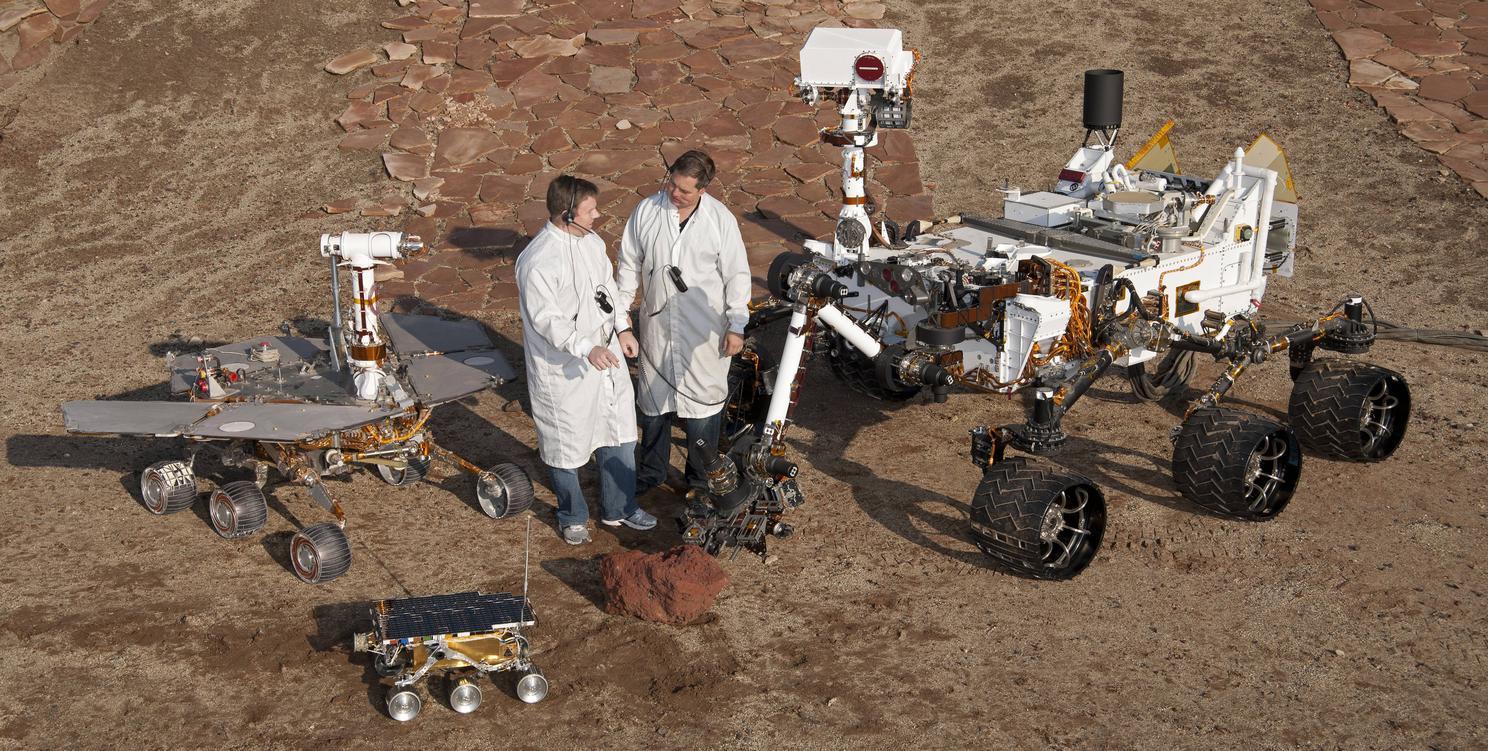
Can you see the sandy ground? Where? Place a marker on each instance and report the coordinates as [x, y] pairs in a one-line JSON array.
[[151, 183]]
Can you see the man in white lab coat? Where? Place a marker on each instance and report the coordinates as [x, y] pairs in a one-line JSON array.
[[683, 252], [582, 399]]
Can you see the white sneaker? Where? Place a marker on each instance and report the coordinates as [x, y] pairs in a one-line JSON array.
[[575, 534]]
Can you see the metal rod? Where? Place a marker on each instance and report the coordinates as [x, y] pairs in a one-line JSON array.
[[335, 315]]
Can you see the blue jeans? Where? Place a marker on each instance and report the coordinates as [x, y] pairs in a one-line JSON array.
[[616, 487], [656, 444]]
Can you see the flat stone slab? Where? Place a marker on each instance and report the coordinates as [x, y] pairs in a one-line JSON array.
[[1410, 55], [478, 106]]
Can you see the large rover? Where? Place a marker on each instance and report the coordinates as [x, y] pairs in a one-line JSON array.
[[1132, 265], [317, 407]]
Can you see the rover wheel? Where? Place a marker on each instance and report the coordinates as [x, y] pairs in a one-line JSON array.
[[1036, 521], [417, 469], [503, 490], [1171, 375], [860, 372], [168, 487], [320, 553], [403, 703], [1350, 410], [1236, 464], [238, 509]]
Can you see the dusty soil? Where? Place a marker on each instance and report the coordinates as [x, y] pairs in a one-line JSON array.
[[152, 179]]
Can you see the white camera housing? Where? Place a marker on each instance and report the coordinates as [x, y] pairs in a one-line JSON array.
[[830, 59]]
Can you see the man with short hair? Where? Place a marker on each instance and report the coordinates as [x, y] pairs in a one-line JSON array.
[[683, 252], [582, 400]]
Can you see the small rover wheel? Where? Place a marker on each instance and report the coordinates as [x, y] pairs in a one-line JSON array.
[[168, 487], [1350, 410], [238, 509], [1172, 375], [417, 469], [503, 490], [1036, 521], [403, 703], [320, 553], [1236, 464]]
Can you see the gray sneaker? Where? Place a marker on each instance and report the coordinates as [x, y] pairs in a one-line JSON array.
[[637, 520], [576, 534]]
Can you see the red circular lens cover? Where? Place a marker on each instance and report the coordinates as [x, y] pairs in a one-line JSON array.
[[868, 67]]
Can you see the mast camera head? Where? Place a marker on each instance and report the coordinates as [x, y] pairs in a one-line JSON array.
[[871, 63]]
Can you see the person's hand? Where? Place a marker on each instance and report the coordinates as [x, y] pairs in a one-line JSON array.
[[602, 357], [628, 343], [733, 344]]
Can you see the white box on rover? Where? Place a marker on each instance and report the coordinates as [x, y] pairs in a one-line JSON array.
[[1042, 208], [832, 56]]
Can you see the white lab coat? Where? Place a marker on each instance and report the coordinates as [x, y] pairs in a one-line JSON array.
[[682, 332], [577, 407]]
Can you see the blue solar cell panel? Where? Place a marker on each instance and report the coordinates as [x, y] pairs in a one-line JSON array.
[[439, 615]]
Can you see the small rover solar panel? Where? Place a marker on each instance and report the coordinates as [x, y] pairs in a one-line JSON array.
[[415, 618]]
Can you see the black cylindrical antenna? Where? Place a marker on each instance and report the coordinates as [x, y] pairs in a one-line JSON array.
[[1103, 99]]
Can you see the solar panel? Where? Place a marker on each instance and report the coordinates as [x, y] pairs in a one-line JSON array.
[[460, 613]]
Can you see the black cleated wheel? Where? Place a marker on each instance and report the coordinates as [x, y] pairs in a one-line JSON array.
[[1171, 375], [1036, 521], [1236, 464], [319, 553], [238, 509], [417, 469], [504, 490], [167, 487], [860, 372], [1350, 410]]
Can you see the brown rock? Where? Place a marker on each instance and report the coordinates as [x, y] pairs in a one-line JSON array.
[[524, 164], [1445, 87], [30, 56], [467, 82], [1357, 43], [36, 29], [399, 50], [796, 131], [1430, 47], [438, 52], [783, 206], [63, 8], [359, 113], [9, 17], [535, 87], [340, 206], [812, 172], [744, 50], [608, 162], [351, 61], [613, 36], [460, 186], [868, 11], [464, 145], [676, 587], [445, 15], [363, 139], [405, 167], [606, 80], [547, 46], [405, 23], [426, 187], [495, 8], [92, 10], [390, 205], [553, 139], [1366, 72]]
